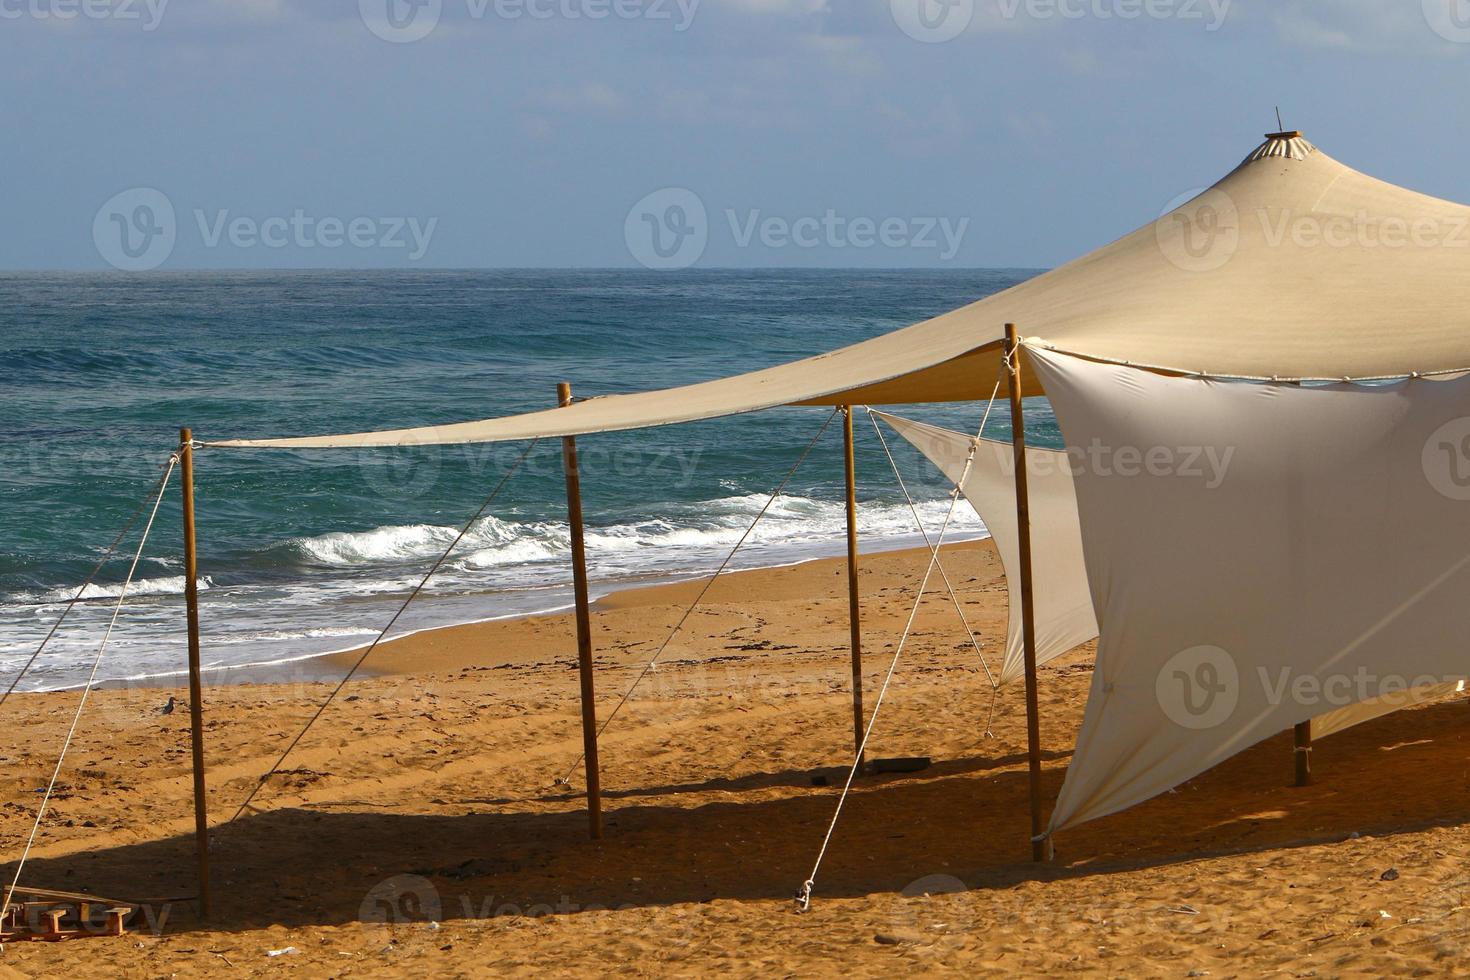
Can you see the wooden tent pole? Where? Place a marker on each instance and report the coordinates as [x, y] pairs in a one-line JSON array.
[[1303, 754], [1302, 750], [1028, 613], [196, 685], [854, 609], [584, 624]]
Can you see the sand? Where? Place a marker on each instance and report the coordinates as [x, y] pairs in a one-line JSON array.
[[428, 793]]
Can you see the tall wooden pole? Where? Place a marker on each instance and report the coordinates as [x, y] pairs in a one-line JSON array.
[[196, 685], [1028, 612], [854, 610], [584, 624], [1302, 750], [1303, 754]]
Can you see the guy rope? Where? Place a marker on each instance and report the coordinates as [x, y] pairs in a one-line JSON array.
[[91, 680], [804, 894], [384, 632]]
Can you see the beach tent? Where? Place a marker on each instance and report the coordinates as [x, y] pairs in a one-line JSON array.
[[983, 470], [1327, 566], [1292, 268]]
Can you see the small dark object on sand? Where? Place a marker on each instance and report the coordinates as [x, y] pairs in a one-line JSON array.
[[1392, 874]]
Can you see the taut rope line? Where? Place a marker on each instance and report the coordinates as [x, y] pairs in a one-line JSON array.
[[91, 679], [379, 638], [913, 508], [698, 598], [71, 603], [804, 894]]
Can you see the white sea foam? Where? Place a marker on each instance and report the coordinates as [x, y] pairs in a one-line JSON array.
[[170, 585], [496, 543], [502, 568]]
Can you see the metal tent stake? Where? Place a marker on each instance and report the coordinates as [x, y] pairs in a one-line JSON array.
[[584, 623], [1028, 613], [854, 609], [196, 686]]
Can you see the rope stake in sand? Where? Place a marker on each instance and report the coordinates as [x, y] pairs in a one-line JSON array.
[[91, 680], [780, 488], [384, 632], [804, 894], [82, 591]]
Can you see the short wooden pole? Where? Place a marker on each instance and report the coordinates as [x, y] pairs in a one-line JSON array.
[[854, 609], [1028, 613], [196, 684], [584, 624], [1303, 754]]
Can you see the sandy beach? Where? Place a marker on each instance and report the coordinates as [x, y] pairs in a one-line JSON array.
[[429, 792]]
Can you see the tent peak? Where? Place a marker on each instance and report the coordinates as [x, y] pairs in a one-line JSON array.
[[1288, 144]]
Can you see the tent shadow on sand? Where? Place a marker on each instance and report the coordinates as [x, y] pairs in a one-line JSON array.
[[297, 867]]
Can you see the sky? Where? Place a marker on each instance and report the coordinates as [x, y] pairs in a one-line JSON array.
[[181, 134]]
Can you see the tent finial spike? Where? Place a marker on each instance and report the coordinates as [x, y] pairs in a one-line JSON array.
[[1280, 126]]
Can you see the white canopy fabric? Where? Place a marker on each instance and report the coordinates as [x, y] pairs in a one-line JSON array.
[[1061, 603], [1341, 719], [1062, 598], [1292, 266], [1258, 554]]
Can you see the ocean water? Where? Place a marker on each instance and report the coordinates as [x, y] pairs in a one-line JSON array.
[[303, 553]]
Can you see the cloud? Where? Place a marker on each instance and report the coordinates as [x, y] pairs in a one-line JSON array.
[[1353, 25], [596, 97]]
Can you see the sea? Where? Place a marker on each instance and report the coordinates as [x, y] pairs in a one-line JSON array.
[[309, 552]]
